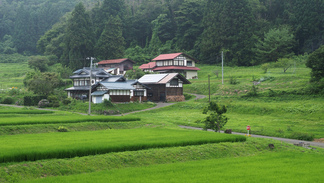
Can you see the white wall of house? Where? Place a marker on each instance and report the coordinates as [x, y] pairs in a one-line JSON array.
[[191, 74], [99, 99]]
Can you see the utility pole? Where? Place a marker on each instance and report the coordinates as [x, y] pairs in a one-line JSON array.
[[209, 86], [90, 83], [222, 69]]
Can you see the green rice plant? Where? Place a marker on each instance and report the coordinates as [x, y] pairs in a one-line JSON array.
[[31, 147], [23, 111], [63, 119], [269, 167]]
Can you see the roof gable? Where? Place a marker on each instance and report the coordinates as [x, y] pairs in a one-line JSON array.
[[169, 56], [162, 78], [172, 56]]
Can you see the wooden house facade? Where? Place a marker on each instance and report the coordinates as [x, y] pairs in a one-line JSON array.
[[82, 83], [164, 87], [120, 91], [173, 63]]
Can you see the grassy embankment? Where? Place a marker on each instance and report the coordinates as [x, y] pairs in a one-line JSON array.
[[278, 109]]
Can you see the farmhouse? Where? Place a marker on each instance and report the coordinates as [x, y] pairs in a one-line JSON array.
[[116, 66], [81, 81], [173, 63], [164, 87], [119, 90]]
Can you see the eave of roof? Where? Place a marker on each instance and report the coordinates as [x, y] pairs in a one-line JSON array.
[[115, 61], [176, 68], [149, 65]]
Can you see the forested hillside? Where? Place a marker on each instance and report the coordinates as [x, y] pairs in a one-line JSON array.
[[249, 32]]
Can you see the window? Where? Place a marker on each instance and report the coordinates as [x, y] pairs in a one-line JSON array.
[[181, 62], [138, 93], [82, 83], [174, 82], [159, 63], [189, 63]]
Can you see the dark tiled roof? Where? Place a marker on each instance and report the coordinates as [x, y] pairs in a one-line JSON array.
[[114, 61]]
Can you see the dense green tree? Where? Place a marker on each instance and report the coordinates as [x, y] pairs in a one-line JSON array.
[[189, 18], [111, 42], [134, 74], [78, 39], [7, 45], [101, 14], [44, 83], [306, 18], [24, 26], [277, 43], [138, 54], [315, 61], [215, 119], [228, 25], [38, 63]]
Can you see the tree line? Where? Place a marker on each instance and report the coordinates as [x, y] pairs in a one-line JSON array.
[[249, 32]]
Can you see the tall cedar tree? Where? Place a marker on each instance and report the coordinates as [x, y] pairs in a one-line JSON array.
[[102, 13], [189, 18], [111, 42], [277, 43], [24, 35], [78, 39], [228, 25]]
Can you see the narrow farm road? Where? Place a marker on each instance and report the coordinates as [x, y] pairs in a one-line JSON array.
[[291, 141]]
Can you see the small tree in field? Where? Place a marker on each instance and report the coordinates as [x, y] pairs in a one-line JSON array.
[[216, 120], [284, 63]]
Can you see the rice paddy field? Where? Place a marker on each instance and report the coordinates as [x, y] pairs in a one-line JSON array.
[[65, 146]]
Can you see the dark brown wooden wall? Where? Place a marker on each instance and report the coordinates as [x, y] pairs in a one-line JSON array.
[[156, 89], [174, 91], [120, 98]]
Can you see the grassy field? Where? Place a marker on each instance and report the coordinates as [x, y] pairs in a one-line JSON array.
[[269, 167], [31, 147], [12, 74]]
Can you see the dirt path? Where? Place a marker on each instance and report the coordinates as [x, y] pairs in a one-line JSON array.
[[291, 141]]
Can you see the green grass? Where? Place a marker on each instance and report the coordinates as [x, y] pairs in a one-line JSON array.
[[269, 167], [63, 119], [120, 108], [12, 74], [31, 147], [24, 111], [13, 172]]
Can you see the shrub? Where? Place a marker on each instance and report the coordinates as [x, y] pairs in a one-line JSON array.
[[302, 136], [271, 93], [107, 103], [233, 81], [265, 67], [43, 103], [187, 96], [33, 100], [8, 100], [67, 101], [62, 129]]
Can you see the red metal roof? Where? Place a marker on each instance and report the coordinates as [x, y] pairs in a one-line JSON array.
[[167, 56], [114, 61], [176, 68], [149, 65]]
